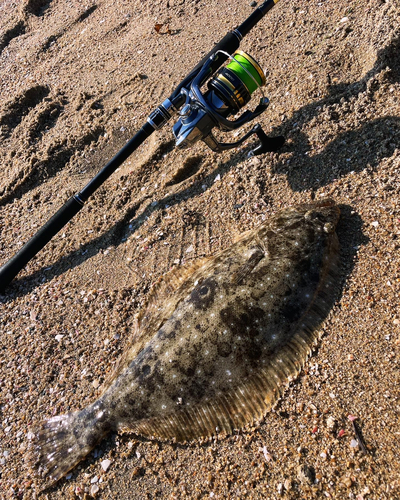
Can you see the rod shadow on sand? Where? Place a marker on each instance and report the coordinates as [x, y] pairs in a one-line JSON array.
[[376, 139]]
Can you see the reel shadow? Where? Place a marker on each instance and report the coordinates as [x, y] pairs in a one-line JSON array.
[[370, 143]]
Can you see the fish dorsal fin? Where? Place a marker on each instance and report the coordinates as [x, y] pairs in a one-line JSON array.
[[166, 293], [247, 402]]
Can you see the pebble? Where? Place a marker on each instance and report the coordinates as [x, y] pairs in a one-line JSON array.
[[305, 474], [353, 443], [347, 482], [94, 479], [94, 489], [266, 453], [105, 464], [330, 422]]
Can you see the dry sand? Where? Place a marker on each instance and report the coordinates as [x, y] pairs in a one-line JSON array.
[[77, 78]]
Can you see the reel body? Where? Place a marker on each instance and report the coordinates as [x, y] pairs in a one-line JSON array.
[[228, 91]]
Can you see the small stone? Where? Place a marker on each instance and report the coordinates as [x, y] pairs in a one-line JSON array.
[[375, 223], [396, 321], [347, 482], [94, 479], [95, 383], [344, 20], [253, 4], [137, 471], [305, 474], [105, 464], [287, 484], [353, 443], [59, 337], [266, 453], [94, 489], [217, 178], [330, 422]]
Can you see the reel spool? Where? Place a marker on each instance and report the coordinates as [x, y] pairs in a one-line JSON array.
[[235, 83], [229, 90]]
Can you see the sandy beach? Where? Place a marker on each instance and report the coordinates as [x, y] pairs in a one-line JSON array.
[[77, 80]]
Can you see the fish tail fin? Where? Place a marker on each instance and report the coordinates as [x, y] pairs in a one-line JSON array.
[[63, 441]]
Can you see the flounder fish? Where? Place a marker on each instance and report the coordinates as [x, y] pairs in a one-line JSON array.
[[217, 343]]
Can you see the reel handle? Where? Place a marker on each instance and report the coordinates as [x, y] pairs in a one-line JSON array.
[[267, 144]]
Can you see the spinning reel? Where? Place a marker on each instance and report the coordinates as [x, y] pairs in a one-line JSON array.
[[228, 91]]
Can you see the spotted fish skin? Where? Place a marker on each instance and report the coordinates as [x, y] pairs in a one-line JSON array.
[[215, 354]]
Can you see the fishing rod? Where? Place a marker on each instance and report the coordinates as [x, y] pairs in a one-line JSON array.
[[229, 89]]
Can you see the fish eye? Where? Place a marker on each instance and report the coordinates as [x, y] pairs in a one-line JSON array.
[[329, 227], [203, 290]]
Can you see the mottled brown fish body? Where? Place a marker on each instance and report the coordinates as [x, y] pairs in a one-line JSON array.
[[217, 352]]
